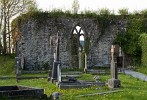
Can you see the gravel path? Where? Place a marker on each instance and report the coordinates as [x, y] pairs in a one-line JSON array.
[[136, 74]]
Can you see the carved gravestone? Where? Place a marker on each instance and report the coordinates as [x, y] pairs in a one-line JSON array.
[[54, 73], [114, 82]]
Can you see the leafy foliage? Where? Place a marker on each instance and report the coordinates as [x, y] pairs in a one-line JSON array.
[[7, 64], [130, 40], [75, 6], [104, 11], [123, 11], [143, 44]]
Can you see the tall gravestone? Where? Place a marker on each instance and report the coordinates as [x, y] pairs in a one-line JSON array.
[[54, 73], [114, 82]]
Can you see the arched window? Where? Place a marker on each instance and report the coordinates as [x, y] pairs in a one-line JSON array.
[[80, 35], [77, 45]]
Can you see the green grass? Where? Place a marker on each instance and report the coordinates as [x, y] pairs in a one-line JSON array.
[[7, 65], [142, 69], [133, 89], [86, 77], [73, 69], [33, 75]]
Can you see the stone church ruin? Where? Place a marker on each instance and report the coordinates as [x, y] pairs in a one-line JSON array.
[[36, 41]]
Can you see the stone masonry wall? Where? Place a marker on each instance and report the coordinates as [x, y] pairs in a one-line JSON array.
[[37, 42]]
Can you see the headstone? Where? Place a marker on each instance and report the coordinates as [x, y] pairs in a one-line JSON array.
[[114, 82], [120, 59], [56, 63]]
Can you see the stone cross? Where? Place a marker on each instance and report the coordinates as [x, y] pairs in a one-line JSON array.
[[112, 62], [113, 82], [56, 64]]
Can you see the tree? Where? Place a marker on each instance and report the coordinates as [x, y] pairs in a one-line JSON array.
[[75, 6], [8, 10], [104, 11], [123, 11]]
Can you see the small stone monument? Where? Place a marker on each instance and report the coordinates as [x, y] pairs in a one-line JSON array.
[[114, 82]]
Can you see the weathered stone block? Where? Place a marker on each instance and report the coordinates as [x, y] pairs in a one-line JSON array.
[[114, 83]]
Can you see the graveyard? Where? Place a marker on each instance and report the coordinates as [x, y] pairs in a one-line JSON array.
[[59, 55], [131, 88]]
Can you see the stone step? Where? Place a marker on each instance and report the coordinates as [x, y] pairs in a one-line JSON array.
[[76, 76], [22, 77], [69, 85], [7, 77], [31, 77], [34, 72], [72, 73], [78, 84], [93, 71]]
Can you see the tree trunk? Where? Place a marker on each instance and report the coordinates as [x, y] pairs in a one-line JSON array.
[[9, 37], [4, 31]]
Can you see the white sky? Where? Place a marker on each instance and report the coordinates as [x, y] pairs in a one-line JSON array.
[[132, 5]]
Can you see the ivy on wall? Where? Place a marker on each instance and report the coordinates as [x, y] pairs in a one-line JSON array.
[[143, 44]]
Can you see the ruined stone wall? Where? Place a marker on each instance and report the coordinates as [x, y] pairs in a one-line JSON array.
[[36, 47]]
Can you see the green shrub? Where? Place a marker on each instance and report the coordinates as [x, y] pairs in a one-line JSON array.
[[123, 11], [143, 44], [7, 66], [129, 41], [104, 11]]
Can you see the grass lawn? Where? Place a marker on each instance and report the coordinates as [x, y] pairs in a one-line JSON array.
[[142, 69], [7, 65], [133, 89]]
